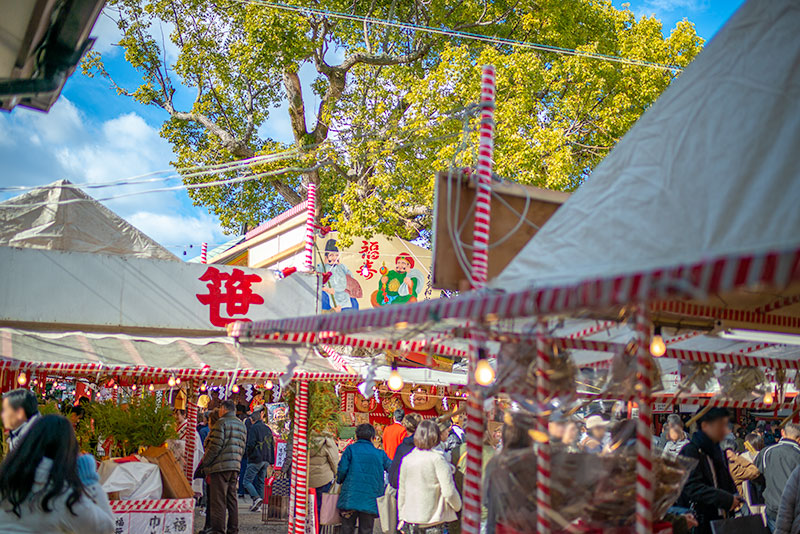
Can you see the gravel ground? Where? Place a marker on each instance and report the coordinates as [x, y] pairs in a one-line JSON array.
[[249, 522]]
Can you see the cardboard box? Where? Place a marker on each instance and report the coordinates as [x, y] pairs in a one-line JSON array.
[[174, 481]]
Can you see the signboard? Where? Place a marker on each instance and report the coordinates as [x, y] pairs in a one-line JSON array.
[[96, 292], [170, 516], [662, 407], [371, 273]]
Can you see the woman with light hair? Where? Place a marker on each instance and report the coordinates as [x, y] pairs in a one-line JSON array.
[[427, 496]]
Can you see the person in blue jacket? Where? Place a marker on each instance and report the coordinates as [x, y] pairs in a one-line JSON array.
[[361, 474]]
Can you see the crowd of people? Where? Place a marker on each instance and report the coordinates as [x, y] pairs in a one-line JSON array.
[[415, 472]]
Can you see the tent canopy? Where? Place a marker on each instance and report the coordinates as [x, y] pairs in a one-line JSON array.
[[147, 358], [60, 216], [710, 170]]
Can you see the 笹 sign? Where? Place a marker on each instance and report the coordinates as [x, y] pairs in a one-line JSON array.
[[96, 292]]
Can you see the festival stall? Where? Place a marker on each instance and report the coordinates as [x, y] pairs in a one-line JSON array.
[[689, 224], [90, 303]]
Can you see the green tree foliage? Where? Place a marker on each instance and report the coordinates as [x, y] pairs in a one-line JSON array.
[[143, 422], [381, 96]]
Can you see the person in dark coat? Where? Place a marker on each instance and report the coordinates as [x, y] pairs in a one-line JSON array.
[[223, 456], [260, 452], [410, 422], [710, 490], [776, 463], [361, 471]]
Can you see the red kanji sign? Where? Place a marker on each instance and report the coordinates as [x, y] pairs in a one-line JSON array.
[[233, 290], [369, 250]]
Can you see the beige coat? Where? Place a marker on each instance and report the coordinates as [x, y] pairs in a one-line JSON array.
[[426, 494], [323, 459]]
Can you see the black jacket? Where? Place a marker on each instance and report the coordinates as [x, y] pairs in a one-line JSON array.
[[225, 445], [260, 445], [405, 447], [700, 492], [776, 463]]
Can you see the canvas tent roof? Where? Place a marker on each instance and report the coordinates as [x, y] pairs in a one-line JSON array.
[[710, 170], [142, 357], [60, 216]]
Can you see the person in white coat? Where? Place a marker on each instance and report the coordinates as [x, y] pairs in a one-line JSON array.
[[47, 488], [427, 498]]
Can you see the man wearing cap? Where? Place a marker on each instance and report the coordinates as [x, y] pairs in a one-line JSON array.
[[710, 490], [260, 452], [595, 434]]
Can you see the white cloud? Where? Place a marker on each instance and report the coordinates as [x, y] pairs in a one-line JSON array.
[[675, 5], [39, 148], [106, 32], [171, 229]]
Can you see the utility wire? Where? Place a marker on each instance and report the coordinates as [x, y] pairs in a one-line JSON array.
[[463, 35]]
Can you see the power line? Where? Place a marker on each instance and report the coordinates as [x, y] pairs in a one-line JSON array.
[[463, 35]]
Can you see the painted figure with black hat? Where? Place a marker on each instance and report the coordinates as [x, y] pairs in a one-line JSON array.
[[335, 295]]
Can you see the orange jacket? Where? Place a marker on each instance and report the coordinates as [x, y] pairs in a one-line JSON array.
[[392, 436]]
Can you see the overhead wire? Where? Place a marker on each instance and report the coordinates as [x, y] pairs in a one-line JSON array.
[[463, 35]]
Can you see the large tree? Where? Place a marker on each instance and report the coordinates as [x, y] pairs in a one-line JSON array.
[[385, 118]]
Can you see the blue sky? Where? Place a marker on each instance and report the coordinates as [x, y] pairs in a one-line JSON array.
[[94, 135]]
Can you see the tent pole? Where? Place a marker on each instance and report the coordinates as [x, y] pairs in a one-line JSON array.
[[191, 430], [476, 418], [644, 439], [299, 485], [542, 447], [311, 224]]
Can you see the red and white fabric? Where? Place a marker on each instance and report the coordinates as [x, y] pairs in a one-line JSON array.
[[311, 225]]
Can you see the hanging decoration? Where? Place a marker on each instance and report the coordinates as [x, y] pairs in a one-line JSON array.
[[698, 375], [743, 383]]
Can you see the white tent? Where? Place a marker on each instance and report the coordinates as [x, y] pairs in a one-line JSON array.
[[60, 216], [710, 170]]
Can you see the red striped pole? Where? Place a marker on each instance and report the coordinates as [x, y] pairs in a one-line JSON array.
[[483, 196], [191, 431], [471, 510], [311, 224], [542, 447], [644, 438], [300, 460], [204, 253]]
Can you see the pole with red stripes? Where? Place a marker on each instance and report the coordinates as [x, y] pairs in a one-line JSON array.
[[311, 225], [543, 471], [471, 514], [644, 440], [204, 253], [483, 197], [300, 460], [191, 431]]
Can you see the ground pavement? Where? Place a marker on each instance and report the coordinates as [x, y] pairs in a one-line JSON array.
[[249, 522]]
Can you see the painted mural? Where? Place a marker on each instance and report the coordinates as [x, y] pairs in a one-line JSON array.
[[371, 272]]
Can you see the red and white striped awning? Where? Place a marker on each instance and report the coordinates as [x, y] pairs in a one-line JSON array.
[[133, 359]]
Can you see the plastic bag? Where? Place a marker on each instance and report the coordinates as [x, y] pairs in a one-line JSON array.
[[599, 490], [133, 480]]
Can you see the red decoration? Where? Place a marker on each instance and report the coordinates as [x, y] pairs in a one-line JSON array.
[[237, 296], [326, 276], [324, 230], [286, 271]]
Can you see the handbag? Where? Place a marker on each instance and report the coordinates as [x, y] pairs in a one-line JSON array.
[[329, 511], [387, 510]]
